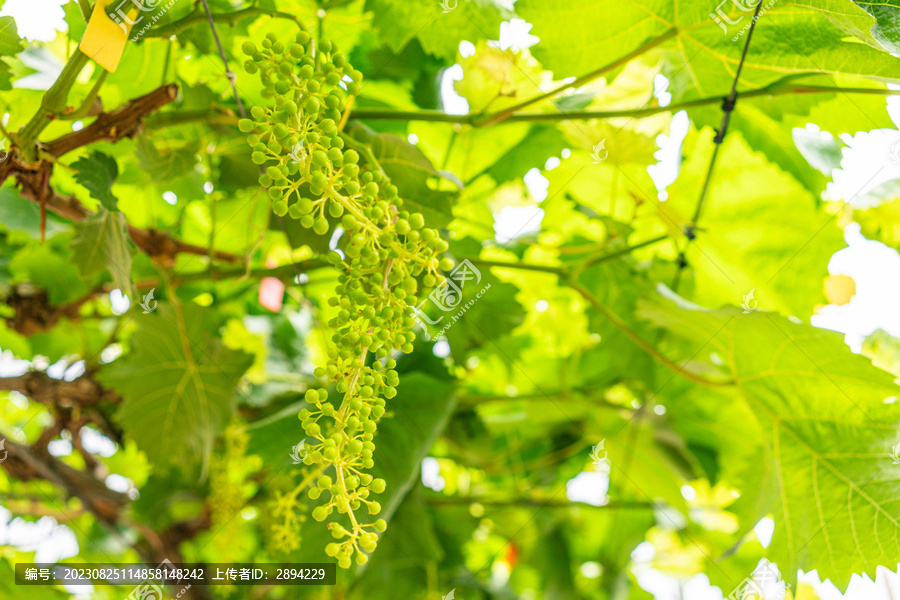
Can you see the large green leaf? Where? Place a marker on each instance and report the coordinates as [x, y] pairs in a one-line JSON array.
[[760, 230], [439, 31], [789, 38], [102, 243], [829, 427], [177, 384]]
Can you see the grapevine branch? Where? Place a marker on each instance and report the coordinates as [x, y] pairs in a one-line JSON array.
[[38, 386], [776, 89], [728, 105], [160, 246], [497, 117], [124, 122], [197, 17], [535, 503], [26, 463], [567, 279], [645, 346]]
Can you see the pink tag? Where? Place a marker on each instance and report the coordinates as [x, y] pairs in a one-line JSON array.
[[271, 293]]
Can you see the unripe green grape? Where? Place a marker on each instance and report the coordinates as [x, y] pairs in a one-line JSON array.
[[319, 158], [307, 72], [246, 125], [332, 549], [344, 562], [351, 187], [328, 126], [361, 558], [249, 48], [302, 38], [335, 209], [318, 179], [320, 226], [335, 155], [250, 67], [320, 513], [280, 207]]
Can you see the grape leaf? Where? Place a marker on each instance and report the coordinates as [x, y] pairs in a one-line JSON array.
[[826, 471], [440, 32], [97, 172], [178, 385], [10, 42], [102, 243], [789, 38], [762, 231]]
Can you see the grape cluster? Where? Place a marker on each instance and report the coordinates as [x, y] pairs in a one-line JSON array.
[[314, 172]]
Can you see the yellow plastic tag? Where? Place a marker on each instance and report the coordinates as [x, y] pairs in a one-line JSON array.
[[104, 39]]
